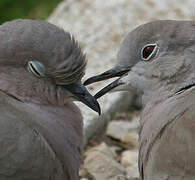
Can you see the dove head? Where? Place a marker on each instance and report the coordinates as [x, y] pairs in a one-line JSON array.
[[156, 58], [42, 63]]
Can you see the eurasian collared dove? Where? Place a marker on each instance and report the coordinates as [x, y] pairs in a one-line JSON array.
[[158, 58], [41, 67]]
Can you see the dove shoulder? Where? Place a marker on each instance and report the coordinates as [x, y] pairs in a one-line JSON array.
[[167, 145], [31, 135]]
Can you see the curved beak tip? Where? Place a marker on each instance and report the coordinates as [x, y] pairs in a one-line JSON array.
[[93, 104], [81, 94], [98, 109]]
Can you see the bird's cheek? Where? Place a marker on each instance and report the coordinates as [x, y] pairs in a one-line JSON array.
[[133, 81], [124, 85], [166, 67]]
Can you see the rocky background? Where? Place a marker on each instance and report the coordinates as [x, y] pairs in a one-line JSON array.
[[100, 26]]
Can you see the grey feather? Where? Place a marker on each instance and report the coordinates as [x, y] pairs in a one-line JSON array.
[[56, 49], [40, 126], [167, 82]]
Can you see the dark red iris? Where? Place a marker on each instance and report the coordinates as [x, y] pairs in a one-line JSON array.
[[147, 51]]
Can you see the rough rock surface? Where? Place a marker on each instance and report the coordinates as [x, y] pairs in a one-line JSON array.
[[124, 131], [129, 158], [110, 158], [101, 164]]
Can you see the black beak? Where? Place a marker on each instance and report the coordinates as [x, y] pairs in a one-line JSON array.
[[114, 72], [81, 94], [108, 88]]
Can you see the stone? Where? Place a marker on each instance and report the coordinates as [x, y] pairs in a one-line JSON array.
[[119, 177], [83, 172], [129, 158], [125, 131], [132, 171], [133, 178], [131, 138], [101, 165], [103, 148], [115, 150]]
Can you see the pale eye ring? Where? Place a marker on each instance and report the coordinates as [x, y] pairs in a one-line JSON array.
[[36, 68], [149, 51]]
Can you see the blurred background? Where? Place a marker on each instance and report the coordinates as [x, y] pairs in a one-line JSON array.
[[33, 9]]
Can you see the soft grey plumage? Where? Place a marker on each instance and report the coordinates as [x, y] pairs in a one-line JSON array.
[[40, 127], [166, 77]]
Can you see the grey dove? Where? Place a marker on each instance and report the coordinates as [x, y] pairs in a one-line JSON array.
[[41, 67], [158, 59]]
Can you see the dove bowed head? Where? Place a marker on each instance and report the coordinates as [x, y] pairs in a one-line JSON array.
[[41, 67], [155, 58], [47, 59]]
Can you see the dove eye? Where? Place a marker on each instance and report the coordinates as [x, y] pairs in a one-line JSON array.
[[37, 68], [149, 51]]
